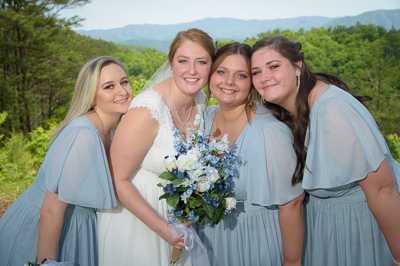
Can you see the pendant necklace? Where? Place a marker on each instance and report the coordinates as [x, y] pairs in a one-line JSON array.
[[223, 119], [176, 111]]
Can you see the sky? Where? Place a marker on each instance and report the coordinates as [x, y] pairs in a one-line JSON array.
[[106, 14]]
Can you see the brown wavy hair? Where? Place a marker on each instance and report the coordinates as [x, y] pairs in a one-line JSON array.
[[299, 124]]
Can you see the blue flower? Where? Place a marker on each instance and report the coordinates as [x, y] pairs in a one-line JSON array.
[[197, 120], [181, 175], [192, 217], [184, 197], [175, 171], [228, 184], [210, 201], [179, 214], [170, 189]]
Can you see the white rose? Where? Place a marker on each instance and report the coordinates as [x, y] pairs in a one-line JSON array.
[[192, 156], [203, 186], [230, 203], [165, 182], [181, 162], [170, 163], [212, 174]]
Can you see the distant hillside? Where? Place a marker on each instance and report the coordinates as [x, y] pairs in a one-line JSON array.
[[162, 46], [384, 18], [218, 28], [160, 36]]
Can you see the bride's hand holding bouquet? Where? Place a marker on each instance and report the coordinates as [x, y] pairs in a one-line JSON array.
[[197, 184]]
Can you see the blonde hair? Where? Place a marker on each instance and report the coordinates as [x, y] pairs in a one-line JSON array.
[[85, 90], [195, 35]]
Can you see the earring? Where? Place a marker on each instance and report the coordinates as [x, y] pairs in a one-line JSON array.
[[298, 83], [263, 100], [212, 97]]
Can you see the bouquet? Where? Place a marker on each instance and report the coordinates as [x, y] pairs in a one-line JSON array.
[[198, 181]]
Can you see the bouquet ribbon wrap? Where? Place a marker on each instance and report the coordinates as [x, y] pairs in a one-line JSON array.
[[54, 263], [193, 244]]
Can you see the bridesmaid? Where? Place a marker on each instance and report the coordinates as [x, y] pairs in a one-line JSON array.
[[353, 213], [266, 228], [55, 217]]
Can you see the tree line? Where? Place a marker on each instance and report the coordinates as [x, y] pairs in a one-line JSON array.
[[40, 57]]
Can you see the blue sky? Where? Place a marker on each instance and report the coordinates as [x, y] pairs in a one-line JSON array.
[[106, 14]]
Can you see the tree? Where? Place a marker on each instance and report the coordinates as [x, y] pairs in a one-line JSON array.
[[29, 35]]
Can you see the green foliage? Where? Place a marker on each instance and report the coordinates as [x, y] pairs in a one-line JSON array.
[[394, 146], [3, 117], [137, 86], [39, 142], [20, 159], [141, 65]]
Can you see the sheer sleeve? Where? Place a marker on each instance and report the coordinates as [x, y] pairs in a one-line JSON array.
[[271, 163], [345, 144], [151, 100], [77, 169]]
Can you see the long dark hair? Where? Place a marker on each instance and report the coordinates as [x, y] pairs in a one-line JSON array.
[[299, 124], [234, 49]]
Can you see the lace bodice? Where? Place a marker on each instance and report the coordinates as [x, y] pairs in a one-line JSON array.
[[163, 144]]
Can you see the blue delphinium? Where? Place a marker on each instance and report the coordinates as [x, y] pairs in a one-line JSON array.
[[170, 189], [192, 217]]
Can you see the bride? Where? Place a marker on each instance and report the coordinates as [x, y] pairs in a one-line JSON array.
[[136, 232]]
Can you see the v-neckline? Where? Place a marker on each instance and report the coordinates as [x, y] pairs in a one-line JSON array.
[[241, 134]]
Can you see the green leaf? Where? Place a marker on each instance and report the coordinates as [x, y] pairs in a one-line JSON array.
[[201, 219], [181, 189], [159, 185], [173, 201], [196, 202], [218, 217], [209, 210], [176, 182], [164, 196], [168, 176]]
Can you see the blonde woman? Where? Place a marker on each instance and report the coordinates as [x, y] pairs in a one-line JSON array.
[[55, 217]]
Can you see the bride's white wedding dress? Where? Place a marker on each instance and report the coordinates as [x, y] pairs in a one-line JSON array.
[[123, 238]]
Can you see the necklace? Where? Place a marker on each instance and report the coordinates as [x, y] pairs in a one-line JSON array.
[[223, 119], [176, 111]]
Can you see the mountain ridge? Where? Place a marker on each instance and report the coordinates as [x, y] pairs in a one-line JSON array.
[[160, 36]]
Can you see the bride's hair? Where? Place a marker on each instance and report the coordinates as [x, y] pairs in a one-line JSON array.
[[196, 36]]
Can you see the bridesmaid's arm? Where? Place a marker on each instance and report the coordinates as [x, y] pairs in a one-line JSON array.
[[133, 138], [384, 202], [291, 221], [50, 226]]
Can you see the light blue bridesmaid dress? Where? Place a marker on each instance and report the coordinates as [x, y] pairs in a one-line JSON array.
[[345, 144], [76, 168], [251, 235]]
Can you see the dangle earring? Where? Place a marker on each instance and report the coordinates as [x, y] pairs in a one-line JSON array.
[[263, 100], [212, 97], [298, 83]]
